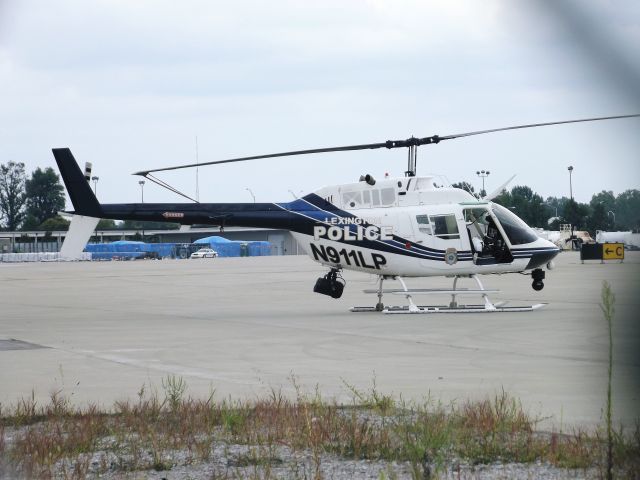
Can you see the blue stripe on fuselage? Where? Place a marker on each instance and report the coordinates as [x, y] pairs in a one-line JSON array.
[[312, 207]]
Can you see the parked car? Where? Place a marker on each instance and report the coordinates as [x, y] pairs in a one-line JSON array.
[[205, 253]]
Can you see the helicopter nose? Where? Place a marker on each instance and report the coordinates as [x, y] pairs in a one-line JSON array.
[[547, 252]]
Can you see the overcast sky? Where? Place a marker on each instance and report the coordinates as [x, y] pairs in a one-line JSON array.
[[128, 85]]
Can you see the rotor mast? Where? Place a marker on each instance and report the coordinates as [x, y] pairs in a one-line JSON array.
[[412, 161]]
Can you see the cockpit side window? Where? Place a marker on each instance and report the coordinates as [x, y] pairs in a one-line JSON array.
[[445, 226], [517, 231]]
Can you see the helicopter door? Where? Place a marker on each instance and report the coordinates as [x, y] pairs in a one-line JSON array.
[[405, 227], [486, 239]]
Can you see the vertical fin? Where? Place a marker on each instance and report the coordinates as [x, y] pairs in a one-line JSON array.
[[83, 199]]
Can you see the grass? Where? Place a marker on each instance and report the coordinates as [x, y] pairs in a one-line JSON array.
[[156, 432], [608, 309]]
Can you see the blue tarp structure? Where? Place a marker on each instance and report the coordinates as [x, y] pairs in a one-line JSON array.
[[224, 247], [259, 249], [230, 248], [129, 250], [125, 249]]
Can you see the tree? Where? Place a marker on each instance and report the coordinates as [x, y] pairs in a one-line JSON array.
[[466, 186], [54, 224], [528, 206], [29, 224], [606, 198], [628, 209], [603, 207], [525, 203], [576, 214], [106, 224], [12, 196], [504, 199], [138, 225], [599, 219], [45, 194]]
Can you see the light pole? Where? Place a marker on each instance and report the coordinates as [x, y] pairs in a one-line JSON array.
[[95, 185], [570, 168], [252, 195], [483, 174], [141, 183], [95, 192], [614, 216]]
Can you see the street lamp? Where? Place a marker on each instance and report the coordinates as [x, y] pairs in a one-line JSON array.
[[252, 195], [95, 185], [483, 174], [141, 183], [570, 168], [614, 216]]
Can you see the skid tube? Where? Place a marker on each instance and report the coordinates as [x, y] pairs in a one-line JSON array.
[[487, 307]]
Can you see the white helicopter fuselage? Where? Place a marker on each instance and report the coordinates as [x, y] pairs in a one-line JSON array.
[[410, 227]]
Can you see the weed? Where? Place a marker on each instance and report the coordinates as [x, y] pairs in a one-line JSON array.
[[608, 309], [57, 439], [174, 389]]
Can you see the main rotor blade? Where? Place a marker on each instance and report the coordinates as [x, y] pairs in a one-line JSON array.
[[270, 155], [388, 144], [516, 127]]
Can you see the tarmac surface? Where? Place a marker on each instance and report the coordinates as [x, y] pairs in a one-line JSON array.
[[99, 331]]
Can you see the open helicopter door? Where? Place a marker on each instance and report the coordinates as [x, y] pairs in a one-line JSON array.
[[488, 241]]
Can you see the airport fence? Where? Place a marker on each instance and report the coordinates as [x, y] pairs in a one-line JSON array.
[[40, 257]]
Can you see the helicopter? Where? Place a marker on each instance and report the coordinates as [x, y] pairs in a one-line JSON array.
[[394, 228]]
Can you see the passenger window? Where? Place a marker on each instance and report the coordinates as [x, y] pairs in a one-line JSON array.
[[375, 194], [445, 226], [366, 197], [388, 196], [351, 199]]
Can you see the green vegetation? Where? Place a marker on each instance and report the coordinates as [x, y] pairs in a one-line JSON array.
[[608, 309], [159, 432], [12, 196], [605, 211]]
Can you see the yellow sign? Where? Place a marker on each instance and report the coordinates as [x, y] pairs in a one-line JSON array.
[[613, 251]]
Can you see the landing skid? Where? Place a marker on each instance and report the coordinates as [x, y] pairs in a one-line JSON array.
[[422, 309], [453, 306]]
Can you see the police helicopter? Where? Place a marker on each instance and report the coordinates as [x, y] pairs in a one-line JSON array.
[[394, 228]]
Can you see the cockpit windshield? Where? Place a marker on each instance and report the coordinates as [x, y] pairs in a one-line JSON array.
[[517, 231]]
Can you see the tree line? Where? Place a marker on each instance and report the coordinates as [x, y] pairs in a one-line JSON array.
[[605, 211], [33, 203]]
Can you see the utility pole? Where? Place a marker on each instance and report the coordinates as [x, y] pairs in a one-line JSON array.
[[483, 174], [141, 183], [95, 185]]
